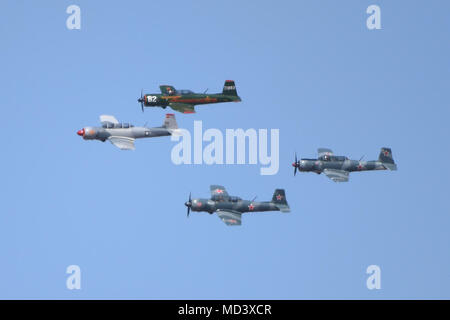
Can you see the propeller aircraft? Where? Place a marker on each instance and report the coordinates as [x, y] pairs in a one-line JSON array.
[[185, 100], [123, 135], [230, 209], [338, 168]]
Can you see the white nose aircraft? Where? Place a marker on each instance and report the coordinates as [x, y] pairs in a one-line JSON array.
[[122, 135]]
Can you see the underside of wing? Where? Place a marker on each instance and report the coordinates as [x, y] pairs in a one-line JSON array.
[[182, 107], [108, 119], [217, 190], [324, 152], [229, 217], [123, 143], [337, 175]]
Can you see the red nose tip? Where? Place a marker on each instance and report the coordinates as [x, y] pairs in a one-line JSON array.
[[294, 164], [80, 132]]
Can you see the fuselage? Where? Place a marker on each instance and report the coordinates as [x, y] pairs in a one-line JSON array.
[[318, 165], [102, 133], [236, 204]]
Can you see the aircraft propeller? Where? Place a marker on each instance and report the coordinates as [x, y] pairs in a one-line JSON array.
[[188, 204], [295, 164], [142, 100]]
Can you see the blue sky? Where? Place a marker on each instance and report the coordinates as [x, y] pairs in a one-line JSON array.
[[311, 69]]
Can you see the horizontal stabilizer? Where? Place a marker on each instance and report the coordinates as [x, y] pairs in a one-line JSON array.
[[283, 207], [390, 166]]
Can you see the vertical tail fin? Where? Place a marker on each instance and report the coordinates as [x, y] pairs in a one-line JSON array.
[[170, 122], [229, 88], [279, 199], [386, 158]]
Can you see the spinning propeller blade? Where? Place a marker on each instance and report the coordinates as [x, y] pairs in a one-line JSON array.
[[188, 204], [295, 164], [141, 100]]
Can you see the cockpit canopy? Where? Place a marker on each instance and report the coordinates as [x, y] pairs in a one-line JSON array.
[[109, 125], [235, 199], [219, 197], [180, 92], [332, 158]]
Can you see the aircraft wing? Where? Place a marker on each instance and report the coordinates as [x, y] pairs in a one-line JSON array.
[[337, 175], [217, 190], [230, 217], [182, 107], [324, 152], [105, 119], [123, 143]]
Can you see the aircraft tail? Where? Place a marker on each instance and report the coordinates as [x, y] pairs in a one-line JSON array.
[[387, 159], [170, 123], [279, 199], [229, 88]]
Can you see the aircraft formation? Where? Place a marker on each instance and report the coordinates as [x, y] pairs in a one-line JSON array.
[[228, 208]]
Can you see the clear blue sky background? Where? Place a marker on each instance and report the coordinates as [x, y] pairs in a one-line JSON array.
[[311, 69]]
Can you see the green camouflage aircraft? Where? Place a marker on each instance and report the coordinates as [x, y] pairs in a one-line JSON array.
[[185, 100]]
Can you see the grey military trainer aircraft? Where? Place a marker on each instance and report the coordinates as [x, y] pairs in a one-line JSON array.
[[338, 168], [123, 135], [230, 209]]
